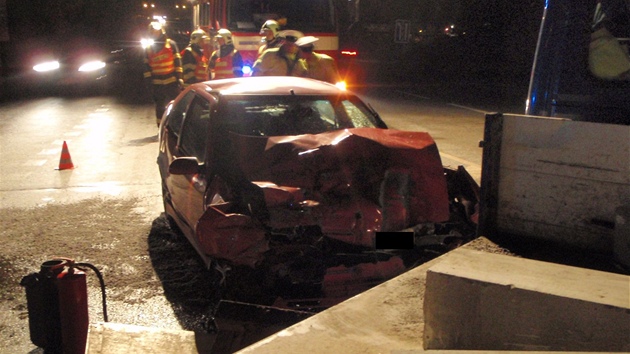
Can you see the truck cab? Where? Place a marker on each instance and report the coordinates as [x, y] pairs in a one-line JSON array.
[[581, 66]]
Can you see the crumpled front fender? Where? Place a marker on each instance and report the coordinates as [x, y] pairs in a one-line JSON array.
[[235, 237]]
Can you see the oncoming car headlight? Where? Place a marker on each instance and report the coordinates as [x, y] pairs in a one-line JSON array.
[[92, 65], [46, 66]]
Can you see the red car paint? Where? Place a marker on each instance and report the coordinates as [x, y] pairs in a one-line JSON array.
[[296, 210], [331, 180]]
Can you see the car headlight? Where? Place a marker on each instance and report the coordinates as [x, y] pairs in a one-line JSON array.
[[93, 65], [47, 66]]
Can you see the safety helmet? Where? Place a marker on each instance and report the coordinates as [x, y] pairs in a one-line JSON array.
[[225, 34], [290, 35], [306, 41], [156, 29], [198, 36], [271, 25]]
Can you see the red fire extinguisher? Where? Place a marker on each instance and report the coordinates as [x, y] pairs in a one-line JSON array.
[[57, 305]]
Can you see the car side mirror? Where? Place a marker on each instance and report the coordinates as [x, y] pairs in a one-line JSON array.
[[184, 166]]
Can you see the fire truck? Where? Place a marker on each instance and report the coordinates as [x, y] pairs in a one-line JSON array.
[[364, 37], [244, 18]]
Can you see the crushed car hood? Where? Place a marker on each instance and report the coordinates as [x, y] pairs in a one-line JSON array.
[[347, 184]]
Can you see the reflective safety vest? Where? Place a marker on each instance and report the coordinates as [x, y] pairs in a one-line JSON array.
[[224, 67], [322, 67], [200, 69], [162, 64]]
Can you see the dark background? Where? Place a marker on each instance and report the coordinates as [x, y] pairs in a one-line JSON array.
[[488, 42]]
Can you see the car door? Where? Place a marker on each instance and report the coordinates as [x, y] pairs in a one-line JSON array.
[[187, 191]]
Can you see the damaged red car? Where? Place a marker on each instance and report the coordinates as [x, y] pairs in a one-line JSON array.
[[285, 184]]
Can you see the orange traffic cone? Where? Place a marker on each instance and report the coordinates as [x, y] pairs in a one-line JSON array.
[[65, 162]]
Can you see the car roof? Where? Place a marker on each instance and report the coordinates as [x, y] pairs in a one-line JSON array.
[[270, 85]]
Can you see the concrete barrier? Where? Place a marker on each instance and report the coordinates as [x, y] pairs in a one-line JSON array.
[[117, 338], [553, 180], [481, 301]]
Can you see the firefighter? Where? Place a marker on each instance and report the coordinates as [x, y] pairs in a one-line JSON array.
[[282, 61], [163, 68], [270, 31], [320, 66], [194, 60], [225, 62]]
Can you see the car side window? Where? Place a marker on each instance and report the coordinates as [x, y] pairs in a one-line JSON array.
[[178, 112], [193, 139]]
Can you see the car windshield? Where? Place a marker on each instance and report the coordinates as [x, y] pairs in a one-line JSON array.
[[282, 115]]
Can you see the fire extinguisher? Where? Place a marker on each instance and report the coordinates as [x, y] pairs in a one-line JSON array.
[[57, 305]]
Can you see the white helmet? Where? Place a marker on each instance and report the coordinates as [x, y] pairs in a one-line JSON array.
[[156, 29], [271, 25], [225, 34], [198, 36], [290, 35]]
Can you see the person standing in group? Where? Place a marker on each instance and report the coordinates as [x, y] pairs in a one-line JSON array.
[[225, 62], [281, 61], [194, 60], [163, 68], [270, 40], [320, 66]]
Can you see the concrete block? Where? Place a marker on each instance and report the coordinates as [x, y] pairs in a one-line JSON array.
[[481, 301], [116, 338]]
